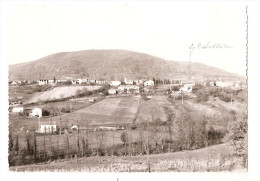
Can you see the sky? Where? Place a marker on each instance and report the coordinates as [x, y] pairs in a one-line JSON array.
[[162, 29]]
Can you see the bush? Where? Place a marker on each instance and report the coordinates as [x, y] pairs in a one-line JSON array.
[[45, 113]]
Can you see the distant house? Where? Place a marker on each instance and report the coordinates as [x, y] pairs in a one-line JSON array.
[[176, 82], [17, 110], [211, 84], [186, 88], [37, 112], [73, 82], [112, 91], [48, 128], [91, 100], [149, 83], [43, 82], [84, 80], [51, 81], [138, 82], [128, 82], [115, 83], [224, 84], [14, 83], [79, 81], [123, 88]]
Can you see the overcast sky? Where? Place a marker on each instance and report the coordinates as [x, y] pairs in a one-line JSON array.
[[165, 30]]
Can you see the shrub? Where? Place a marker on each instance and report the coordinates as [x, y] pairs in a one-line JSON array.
[[45, 113]]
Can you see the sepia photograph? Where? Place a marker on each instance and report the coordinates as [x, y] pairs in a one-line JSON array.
[[126, 87]]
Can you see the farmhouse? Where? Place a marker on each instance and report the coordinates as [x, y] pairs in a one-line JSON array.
[[115, 83], [112, 91], [37, 112], [138, 82], [14, 83], [149, 83], [176, 82], [128, 82], [73, 82], [17, 110], [223, 84], [51, 81], [43, 82], [186, 88], [127, 88], [211, 84], [48, 128]]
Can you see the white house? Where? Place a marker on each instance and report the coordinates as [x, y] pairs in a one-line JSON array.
[[223, 84], [122, 88], [51, 81], [73, 82], [128, 82], [186, 88], [211, 84], [84, 80], [17, 110], [149, 83], [48, 128], [79, 81], [176, 82], [115, 83], [138, 82], [36, 112], [43, 82], [14, 83], [112, 91]]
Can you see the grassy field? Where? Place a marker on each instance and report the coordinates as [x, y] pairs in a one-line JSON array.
[[214, 158], [61, 92], [119, 110]]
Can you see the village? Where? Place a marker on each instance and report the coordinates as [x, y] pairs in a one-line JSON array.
[[115, 88]]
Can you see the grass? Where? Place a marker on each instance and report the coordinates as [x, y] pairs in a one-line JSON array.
[[214, 158], [60, 92]]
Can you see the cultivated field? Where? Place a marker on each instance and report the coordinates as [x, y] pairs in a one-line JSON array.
[[61, 92], [121, 110]]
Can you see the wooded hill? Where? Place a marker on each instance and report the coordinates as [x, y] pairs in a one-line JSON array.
[[111, 65]]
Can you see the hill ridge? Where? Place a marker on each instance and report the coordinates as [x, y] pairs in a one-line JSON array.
[[111, 64]]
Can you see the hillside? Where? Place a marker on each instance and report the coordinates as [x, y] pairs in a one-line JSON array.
[[109, 64]]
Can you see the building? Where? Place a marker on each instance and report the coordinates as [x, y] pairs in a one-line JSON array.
[[79, 81], [149, 83], [17, 110], [115, 83], [14, 83], [176, 82], [52, 81], [138, 82], [224, 84], [37, 112], [186, 88], [48, 128], [211, 84], [112, 91], [128, 82], [123, 88], [74, 82], [43, 82]]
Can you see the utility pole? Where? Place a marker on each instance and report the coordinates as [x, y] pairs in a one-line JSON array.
[[78, 136], [231, 98]]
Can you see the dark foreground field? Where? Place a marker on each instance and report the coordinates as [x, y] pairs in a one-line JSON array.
[[214, 158]]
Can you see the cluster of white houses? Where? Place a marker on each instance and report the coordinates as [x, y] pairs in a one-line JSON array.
[[31, 112]]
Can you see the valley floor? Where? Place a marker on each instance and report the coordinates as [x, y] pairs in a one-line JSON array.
[[217, 158]]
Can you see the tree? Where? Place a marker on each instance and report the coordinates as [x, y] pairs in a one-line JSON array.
[[124, 137], [45, 113]]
